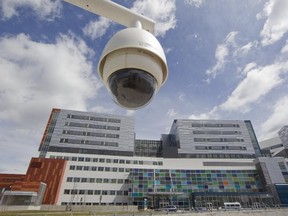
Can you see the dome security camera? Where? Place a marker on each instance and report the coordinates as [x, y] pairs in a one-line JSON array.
[[133, 67]]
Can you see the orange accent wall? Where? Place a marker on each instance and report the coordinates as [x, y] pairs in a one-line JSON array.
[[49, 171], [46, 170], [7, 180]]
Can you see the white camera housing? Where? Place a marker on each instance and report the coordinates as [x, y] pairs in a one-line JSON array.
[[133, 67]]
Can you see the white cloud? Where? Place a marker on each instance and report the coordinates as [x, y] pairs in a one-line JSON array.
[[276, 24], [98, 28], [36, 77], [242, 51], [222, 51], [162, 12], [44, 9], [285, 48], [258, 82], [276, 121], [212, 114], [171, 113], [248, 68], [196, 3]]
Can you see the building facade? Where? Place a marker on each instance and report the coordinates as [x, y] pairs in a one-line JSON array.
[[198, 162]]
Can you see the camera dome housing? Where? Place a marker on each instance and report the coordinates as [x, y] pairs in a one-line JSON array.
[[133, 67]]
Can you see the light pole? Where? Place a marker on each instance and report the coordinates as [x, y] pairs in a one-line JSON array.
[[133, 65]]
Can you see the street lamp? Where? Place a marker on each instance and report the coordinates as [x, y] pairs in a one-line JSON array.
[[133, 65]]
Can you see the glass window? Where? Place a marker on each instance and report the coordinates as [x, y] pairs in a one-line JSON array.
[[101, 160], [86, 168], [97, 192], [79, 168], [95, 159], [100, 168], [66, 191], [87, 159], [80, 159], [69, 179], [72, 167], [84, 180], [76, 179], [119, 193]]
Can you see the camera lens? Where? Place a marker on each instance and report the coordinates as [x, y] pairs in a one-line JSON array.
[[132, 88]]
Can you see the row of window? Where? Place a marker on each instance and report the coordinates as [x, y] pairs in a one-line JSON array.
[[218, 140], [214, 125], [93, 134], [94, 126], [108, 160], [88, 142], [89, 203], [93, 118], [96, 192], [220, 147], [216, 156], [101, 169], [97, 180], [217, 132]]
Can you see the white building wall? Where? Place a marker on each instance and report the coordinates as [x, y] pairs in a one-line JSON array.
[[142, 163]]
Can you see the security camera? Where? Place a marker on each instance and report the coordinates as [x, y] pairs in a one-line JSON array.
[[133, 67]]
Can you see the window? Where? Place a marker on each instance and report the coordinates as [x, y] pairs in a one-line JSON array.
[[87, 159], [108, 160], [104, 192], [107, 169], [113, 181], [100, 168], [74, 191], [84, 180], [97, 192], [106, 180], [125, 193], [72, 167], [121, 169], [92, 180], [101, 160], [119, 193], [114, 169], [69, 179], [76, 179], [99, 180], [112, 192], [121, 161], [95, 159], [79, 168], [74, 158], [81, 191], [86, 168], [66, 191], [90, 192], [115, 161], [94, 168], [120, 181]]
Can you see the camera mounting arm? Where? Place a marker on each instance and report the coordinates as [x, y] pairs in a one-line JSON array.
[[115, 12]]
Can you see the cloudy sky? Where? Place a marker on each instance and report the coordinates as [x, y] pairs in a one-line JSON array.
[[227, 59]]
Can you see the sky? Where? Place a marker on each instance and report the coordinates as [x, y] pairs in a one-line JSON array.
[[227, 59]]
